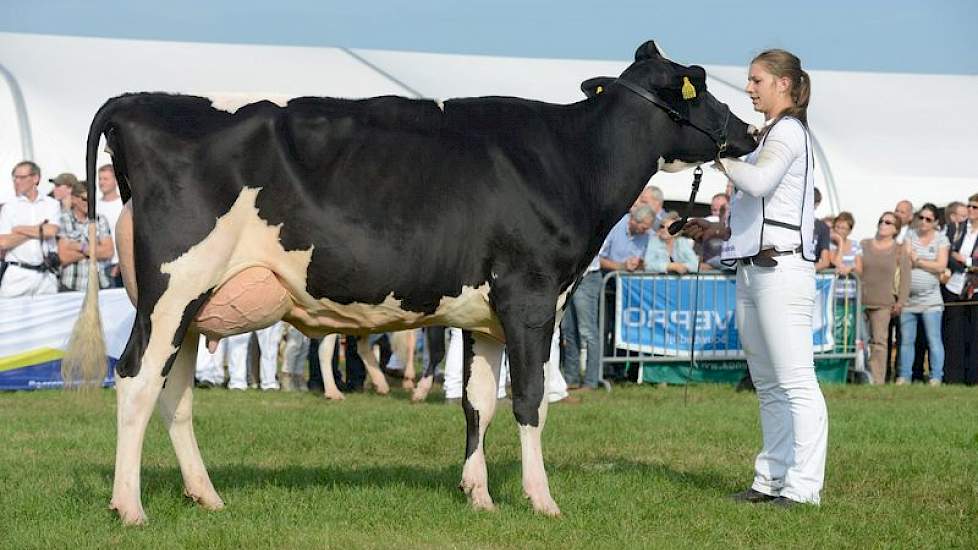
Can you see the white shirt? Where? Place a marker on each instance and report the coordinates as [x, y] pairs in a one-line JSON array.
[[111, 210], [779, 173], [21, 211]]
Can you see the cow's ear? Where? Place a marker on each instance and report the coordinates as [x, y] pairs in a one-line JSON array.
[[594, 86], [647, 51]]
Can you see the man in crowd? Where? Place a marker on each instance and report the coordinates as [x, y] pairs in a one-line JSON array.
[[823, 239], [653, 198], [73, 245], [904, 211], [28, 225], [110, 205], [624, 247]]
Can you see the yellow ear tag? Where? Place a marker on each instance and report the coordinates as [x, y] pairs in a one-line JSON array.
[[598, 90], [689, 91]]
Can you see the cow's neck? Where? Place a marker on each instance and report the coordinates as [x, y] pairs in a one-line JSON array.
[[626, 152]]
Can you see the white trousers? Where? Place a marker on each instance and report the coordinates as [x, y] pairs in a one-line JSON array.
[[18, 281], [210, 366], [268, 339], [556, 386], [775, 306]]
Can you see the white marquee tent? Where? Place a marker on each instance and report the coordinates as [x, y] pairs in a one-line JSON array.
[[881, 137]]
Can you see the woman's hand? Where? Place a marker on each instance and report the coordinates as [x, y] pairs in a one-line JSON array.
[[843, 270], [678, 267], [699, 229], [895, 309]]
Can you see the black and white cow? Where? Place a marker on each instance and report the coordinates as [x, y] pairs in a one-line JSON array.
[[378, 215]]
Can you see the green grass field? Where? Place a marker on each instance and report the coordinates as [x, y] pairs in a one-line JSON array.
[[635, 469]]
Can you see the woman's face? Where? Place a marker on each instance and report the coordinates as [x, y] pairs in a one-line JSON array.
[[926, 220], [887, 225], [663, 232], [842, 227], [768, 93]]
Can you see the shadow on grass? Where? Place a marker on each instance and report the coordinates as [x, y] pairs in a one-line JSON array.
[[167, 480]]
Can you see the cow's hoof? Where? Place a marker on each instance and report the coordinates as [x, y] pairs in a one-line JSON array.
[[130, 515], [421, 391], [479, 498], [545, 505], [407, 384], [334, 395], [208, 502]]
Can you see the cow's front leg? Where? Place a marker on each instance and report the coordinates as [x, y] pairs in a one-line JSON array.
[[326, 348], [528, 348], [373, 368], [480, 373], [176, 410]]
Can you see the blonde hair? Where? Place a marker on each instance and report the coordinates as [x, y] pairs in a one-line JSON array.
[[784, 64]]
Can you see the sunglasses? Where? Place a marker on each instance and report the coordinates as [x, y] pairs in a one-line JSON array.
[[885, 221], [925, 219]]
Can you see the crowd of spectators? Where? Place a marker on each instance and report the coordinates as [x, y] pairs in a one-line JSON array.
[[916, 278]]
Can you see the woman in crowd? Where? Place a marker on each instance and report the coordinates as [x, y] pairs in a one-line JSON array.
[[666, 253], [885, 273], [928, 251], [845, 259], [771, 237]]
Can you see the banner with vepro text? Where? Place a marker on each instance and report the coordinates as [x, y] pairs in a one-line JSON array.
[[662, 314]]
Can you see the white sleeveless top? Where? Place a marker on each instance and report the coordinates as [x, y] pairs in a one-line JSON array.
[[773, 205]]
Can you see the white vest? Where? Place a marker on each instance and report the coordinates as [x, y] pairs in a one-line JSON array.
[[788, 212]]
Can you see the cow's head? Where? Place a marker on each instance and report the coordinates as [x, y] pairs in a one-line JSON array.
[[702, 123]]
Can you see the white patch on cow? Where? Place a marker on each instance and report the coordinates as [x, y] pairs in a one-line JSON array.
[[441, 104], [674, 166], [561, 300], [481, 394], [232, 101]]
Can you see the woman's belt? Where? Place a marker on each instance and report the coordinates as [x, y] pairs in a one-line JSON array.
[[765, 258]]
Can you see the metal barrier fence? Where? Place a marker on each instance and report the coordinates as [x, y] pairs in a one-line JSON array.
[[667, 320]]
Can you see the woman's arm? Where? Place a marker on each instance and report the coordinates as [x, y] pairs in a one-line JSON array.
[[785, 142], [937, 265]]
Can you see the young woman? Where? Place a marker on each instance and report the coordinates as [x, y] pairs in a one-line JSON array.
[[928, 249], [771, 237], [884, 292]]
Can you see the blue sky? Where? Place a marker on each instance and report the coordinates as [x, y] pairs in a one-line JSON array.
[[936, 36]]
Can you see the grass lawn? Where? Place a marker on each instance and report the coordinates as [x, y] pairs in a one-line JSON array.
[[635, 469]]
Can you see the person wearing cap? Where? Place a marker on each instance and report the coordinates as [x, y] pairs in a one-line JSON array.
[[73, 245], [28, 225], [62, 189]]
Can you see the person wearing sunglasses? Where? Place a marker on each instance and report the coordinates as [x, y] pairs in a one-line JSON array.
[[928, 249], [885, 272], [771, 238]]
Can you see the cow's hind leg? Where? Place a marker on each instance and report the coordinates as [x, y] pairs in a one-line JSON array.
[[326, 348], [176, 410], [480, 374], [370, 363], [435, 346], [527, 347]]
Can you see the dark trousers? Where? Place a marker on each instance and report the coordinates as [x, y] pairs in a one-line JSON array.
[[961, 344], [355, 371]]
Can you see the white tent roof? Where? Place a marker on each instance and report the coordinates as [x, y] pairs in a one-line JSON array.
[[882, 137]]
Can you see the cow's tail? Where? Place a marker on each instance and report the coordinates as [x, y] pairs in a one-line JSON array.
[[84, 362]]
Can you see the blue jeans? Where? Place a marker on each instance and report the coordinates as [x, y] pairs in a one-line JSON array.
[[935, 346], [580, 326]]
